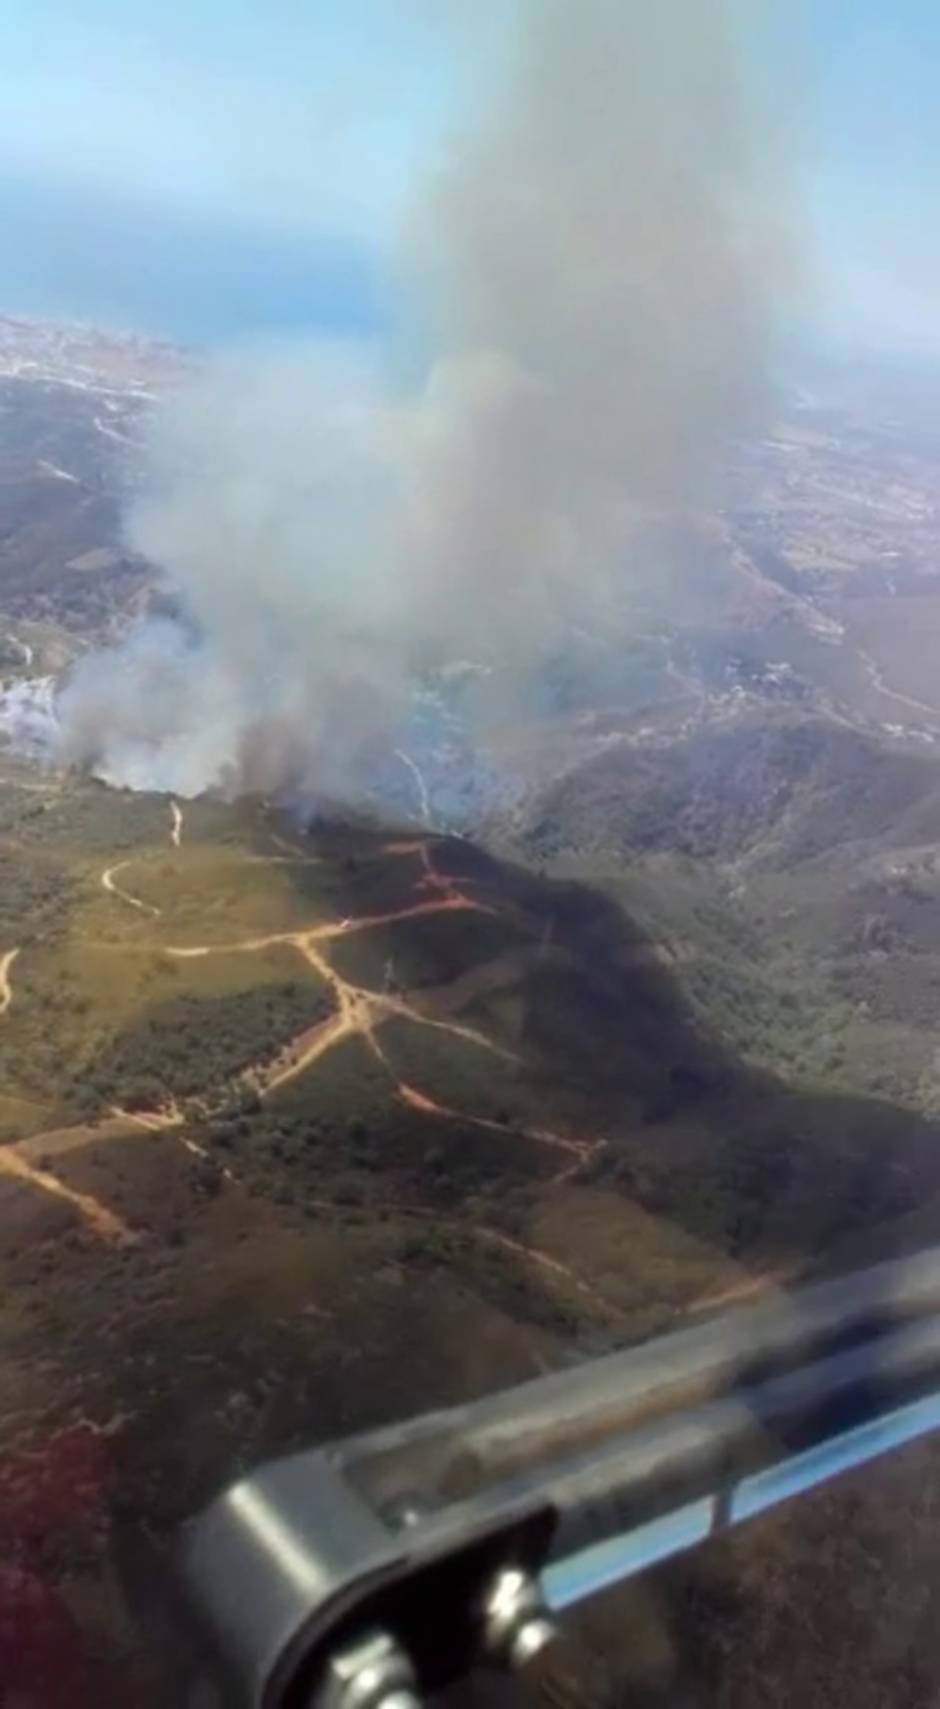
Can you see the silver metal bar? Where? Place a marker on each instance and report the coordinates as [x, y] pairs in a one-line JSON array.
[[451, 1453], [575, 1482], [588, 1572]]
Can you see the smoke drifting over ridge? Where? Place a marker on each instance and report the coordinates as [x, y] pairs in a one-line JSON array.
[[270, 505], [593, 273]]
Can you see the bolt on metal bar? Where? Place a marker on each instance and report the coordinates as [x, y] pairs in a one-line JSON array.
[[457, 1538]]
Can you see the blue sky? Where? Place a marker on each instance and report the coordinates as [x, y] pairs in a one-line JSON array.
[[205, 168], [874, 169]]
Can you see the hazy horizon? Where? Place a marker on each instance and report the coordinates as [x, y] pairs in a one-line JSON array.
[[208, 173]]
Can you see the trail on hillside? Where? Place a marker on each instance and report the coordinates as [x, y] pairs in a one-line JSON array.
[[164, 1121], [39, 1148], [110, 432], [303, 1052], [309, 936], [6, 989], [424, 799], [98, 1217], [583, 1151], [875, 677], [108, 884], [56, 473], [28, 1160], [748, 1288], [359, 1012], [545, 1261]]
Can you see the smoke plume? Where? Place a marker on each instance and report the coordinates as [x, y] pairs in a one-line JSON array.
[[592, 274]]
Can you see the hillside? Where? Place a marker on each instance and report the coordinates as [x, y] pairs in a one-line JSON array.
[[73, 404], [306, 1128], [409, 1069], [788, 865], [769, 788]]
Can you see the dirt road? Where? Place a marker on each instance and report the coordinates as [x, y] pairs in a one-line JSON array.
[[98, 1217], [108, 884], [358, 1012], [6, 989], [583, 1151], [875, 677]]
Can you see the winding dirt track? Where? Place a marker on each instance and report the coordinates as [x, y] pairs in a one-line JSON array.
[[108, 884], [358, 1013], [358, 1010], [545, 1261], [876, 678], [582, 1150], [94, 1214], [164, 1121]]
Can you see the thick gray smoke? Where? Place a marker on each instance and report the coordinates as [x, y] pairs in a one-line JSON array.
[[269, 505], [592, 273]]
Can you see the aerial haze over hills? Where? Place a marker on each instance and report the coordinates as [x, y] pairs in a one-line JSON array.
[[669, 1042], [517, 484], [469, 829]]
